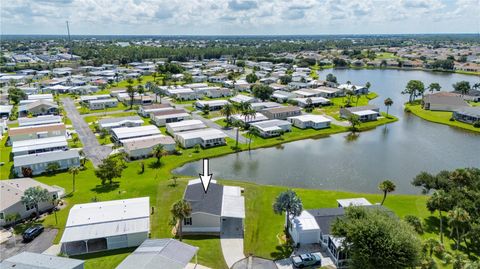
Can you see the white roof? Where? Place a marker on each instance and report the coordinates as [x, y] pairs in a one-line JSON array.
[[109, 122], [242, 98], [40, 96], [305, 222], [315, 100], [204, 134], [129, 132], [180, 90], [40, 143], [105, 219], [169, 116], [5, 108], [30, 260], [100, 101], [312, 118], [353, 202], [185, 125], [264, 125], [213, 102], [365, 112], [40, 120], [45, 157], [258, 117], [233, 203]]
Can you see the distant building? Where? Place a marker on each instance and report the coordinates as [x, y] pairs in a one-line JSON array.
[[281, 113], [270, 128], [142, 147], [364, 113], [443, 101], [206, 138], [468, 115]]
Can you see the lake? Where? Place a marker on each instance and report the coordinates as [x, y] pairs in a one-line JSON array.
[[397, 151]]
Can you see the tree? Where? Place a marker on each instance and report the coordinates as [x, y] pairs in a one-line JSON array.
[[388, 103], [158, 92], [27, 171], [354, 121], [434, 86], [15, 95], [237, 125], [386, 186], [228, 110], [462, 86], [109, 169], [349, 94], [290, 203], [251, 78], [158, 152], [374, 239], [285, 79], [141, 91], [180, 210], [52, 167], [33, 196], [206, 109], [414, 88], [439, 201], [197, 148], [131, 93], [368, 85], [252, 132], [458, 220], [74, 170], [262, 92], [309, 106]]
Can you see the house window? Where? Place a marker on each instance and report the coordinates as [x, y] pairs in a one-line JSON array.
[[187, 221], [29, 207], [1, 215]]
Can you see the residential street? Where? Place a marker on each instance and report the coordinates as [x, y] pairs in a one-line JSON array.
[[91, 147], [38, 245]]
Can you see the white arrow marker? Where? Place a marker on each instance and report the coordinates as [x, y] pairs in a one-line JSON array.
[[206, 177]]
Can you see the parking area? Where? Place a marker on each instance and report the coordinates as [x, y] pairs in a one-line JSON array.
[[312, 248], [12, 247]]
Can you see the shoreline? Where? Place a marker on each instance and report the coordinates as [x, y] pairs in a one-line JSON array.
[[403, 69]]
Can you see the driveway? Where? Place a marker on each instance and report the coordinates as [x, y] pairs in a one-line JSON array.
[[91, 147], [231, 240], [38, 245], [230, 132]]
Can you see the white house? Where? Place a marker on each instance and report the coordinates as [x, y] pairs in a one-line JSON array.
[[310, 121], [240, 98], [212, 104], [270, 128], [250, 119], [220, 206], [315, 101], [160, 118], [306, 93], [182, 93], [355, 88], [282, 96], [142, 147], [206, 138], [122, 133], [102, 103], [40, 120], [364, 113], [36, 131], [12, 190], [282, 112], [101, 226], [5, 111], [39, 162], [39, 145], [146, 110], [186, 125], [128, 121]]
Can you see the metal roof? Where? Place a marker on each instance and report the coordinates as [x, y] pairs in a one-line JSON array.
[[208, 133], [45, 157], [305, 222], [29, 260], [105, 219], [11, 190], [311, 118], [210, 202], [233, 203], [160, 253], [40, 143], [353, 202], [131, 132], [40, 120]]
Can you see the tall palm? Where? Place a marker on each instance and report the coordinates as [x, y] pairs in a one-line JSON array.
[[252, 132], [441, 202], [228, 110], [458, 219], [237, 125], [131, 93], [33, 196], [74, 170], [386, 186], [180, 210], [159, 151], [290, 203], [349, 94], [388, 103], [141, 91], [246, 110]]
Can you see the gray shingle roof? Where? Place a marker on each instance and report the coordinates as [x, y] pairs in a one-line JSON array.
[[210, 202]]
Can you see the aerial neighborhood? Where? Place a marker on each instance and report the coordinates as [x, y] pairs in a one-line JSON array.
[[101, 157]]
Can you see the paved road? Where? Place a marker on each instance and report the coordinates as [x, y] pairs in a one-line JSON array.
[[91, 147], [230, 132], [38, 245], [231, 241]]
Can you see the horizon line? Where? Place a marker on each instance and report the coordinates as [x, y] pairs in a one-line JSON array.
[[233, 35]]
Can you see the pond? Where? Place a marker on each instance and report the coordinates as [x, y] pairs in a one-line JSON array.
[[397, 151]]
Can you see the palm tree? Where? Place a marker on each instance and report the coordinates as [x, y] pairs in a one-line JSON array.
[[159, 151], [237, 125], [252, 132], [349, 94], [246, 110], [33, 196], [434, 86], [227, 110], [290, 203], [180, 210], [388, 103], [439, 201], [74, 170], [386, 186], [131, 93], [458, 219], [141, 91]]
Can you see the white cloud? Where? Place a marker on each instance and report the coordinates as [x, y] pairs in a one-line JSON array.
[[238, 16]]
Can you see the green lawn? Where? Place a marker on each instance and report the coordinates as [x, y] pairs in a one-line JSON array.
[[474, 103], [5, 158], [89, 119], [385, 55], [442, 117]]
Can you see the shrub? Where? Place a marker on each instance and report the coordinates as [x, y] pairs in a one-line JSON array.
[[415, 222], [452, 119], [476, 124], [407, 109]]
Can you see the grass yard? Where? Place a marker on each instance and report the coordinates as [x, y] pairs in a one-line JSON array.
[[385, 55], [5, 152], [442, 117]]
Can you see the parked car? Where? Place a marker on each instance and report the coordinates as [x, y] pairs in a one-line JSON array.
[[308, 259], [32, 232]]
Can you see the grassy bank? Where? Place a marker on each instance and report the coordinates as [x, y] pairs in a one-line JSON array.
[[442, 117]]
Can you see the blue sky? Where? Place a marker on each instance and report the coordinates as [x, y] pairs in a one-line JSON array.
[[238, 17]]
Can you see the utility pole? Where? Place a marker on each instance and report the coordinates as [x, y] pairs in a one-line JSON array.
[[70, 41]]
